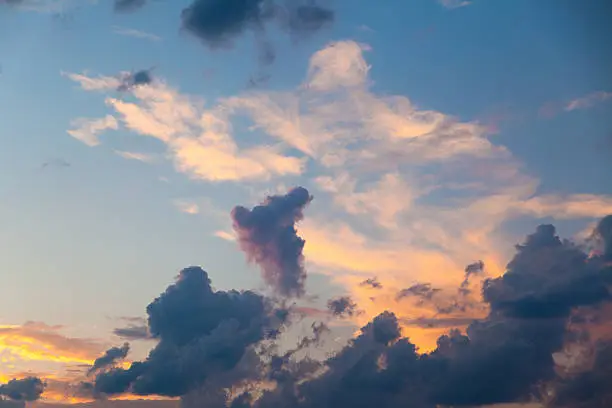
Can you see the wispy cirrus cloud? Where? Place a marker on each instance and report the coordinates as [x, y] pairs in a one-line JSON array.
[[143, 157], [187, 207], [87, 130], [454, 4], [588, 101], [132, 32], [41, 342]]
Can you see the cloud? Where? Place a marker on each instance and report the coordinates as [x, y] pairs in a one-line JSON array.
[[40, 342], [143, 157], [187, 207], [588, 101], [199, 140], [202, 334], [122, 6], [87, 130], [218, 23], [454, 4], [530, 308], [45, 6], [268, 236], [411, 194], [25, 389], [132, 32], [342, 306], [109, 357]]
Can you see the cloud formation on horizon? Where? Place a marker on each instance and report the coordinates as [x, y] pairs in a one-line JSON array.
[[537, 311]]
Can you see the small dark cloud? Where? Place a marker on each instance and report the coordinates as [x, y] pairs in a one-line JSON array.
[[109, 357], [123, 6], [372, 282], [476, 268], [57, 163], [422, 291], [134, 79], [25, 389], [132, 332], [268, 236], [342, 306]]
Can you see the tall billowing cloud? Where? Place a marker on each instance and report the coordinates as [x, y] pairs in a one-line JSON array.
[[109, 357], [202, 333], [502, 358], [25, 389], [268, 236]]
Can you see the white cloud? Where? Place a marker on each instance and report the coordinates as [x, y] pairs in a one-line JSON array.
[[187, 207], [453, 4], [588, 101], [131, 32], [87, 130], [100, 83], [143, 157]]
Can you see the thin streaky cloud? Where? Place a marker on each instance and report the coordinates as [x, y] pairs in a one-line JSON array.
[[588, 101], [143, 157], [454, 4], [187, 207], [132, 32]]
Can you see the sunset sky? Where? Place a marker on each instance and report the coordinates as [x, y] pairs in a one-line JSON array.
[[431, 135]]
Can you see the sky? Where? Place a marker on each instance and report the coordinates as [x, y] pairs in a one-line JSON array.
[[399, 143]]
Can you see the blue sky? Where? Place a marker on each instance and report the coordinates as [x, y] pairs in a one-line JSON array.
[[522, 86]]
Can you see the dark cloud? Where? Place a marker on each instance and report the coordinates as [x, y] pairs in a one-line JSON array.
[[604, 232], [213, 341], [502, 358], [476, 268], [109, 357], [372, 282], [134, 79], [123, 6], [590, 389], [202, 334], [268, 236], [218, 23], [342, 306], [422, 291], [25, 389], [133, 332]]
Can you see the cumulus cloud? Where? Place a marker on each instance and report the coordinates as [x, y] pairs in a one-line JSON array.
[[530, 307], [201, 333], [268, 236], [25, 389]]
